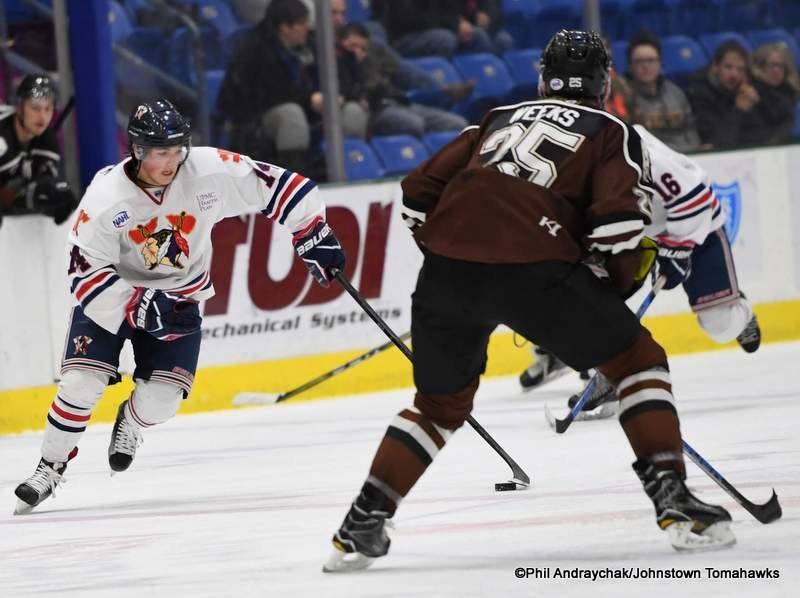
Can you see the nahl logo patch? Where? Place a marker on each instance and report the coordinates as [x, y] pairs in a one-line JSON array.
[[120, 219]]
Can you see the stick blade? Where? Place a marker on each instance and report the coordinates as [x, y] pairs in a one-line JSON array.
[[768, 512], [559, 425], [255, 398]]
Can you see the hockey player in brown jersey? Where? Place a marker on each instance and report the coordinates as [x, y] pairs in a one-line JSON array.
[[505, 216]]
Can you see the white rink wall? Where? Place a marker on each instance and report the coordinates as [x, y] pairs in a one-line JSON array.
[[266, 307]]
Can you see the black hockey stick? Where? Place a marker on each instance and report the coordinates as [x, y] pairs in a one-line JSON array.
[[561, 425], [520, 477], [766, 513], [262, 398]]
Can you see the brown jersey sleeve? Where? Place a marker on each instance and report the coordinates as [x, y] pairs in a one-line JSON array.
[[423, 186], [620, 204]]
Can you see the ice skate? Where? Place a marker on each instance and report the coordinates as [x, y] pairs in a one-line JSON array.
[[547, 367], [362, 537], [125, 438], [602, 403], [41, 485], [691, 524], [750, 337]]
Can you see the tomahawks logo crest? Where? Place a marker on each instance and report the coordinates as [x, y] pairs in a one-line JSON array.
[[81, 343], [166, 246]]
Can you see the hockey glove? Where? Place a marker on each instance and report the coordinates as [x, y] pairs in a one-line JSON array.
[[320, 250], [166, 316], [674, 263]]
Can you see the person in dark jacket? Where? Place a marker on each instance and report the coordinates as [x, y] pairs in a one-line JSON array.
[[778, 86], [270, 93], [431, 27], [724, 102]]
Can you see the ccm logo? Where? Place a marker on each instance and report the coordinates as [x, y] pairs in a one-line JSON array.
[[363, 239]]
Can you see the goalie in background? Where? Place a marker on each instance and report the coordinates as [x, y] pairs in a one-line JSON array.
[[693, 251], [30, 182]]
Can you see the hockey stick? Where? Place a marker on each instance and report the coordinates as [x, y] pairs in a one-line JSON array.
[[765, 513], [260, 398], [561, 425], [520, 477]]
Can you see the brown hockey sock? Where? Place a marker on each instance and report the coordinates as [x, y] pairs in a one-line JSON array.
[[655, 435], [411, 443]]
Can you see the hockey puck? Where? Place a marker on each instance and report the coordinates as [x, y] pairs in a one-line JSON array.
[[505, 486]]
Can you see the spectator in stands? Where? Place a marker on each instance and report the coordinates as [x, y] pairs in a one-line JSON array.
[[488, 16], [657, 103], [390, 111], [724, 102], [270, 93], [432, 28], [402, 74], [30, 181], [620, 97], [776, 81]]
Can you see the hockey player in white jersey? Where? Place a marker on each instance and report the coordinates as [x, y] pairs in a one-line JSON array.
[[693, 250], [140, 253]]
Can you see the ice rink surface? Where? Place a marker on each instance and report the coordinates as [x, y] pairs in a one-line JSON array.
[[243, 503]]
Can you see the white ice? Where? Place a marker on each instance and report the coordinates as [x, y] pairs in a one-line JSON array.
[[243, 503]]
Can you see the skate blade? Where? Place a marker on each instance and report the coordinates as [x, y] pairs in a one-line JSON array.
[[22, 508], [341, 562], [715, 537], [605, 411], [549, 377]]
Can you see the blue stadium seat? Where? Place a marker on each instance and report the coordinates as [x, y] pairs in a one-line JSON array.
[[695, 17], [147, 43], [796, 129], [435, 141], [493, 84], [119, 22], [551, 16], [518, 21], [360, 160], [649, 15], [219, 15], [619, 56], [524, 68], [359, 11], [771, 36], [742, 15], [134, 6], [711, 41], [399, 153], [442, 70], [612, 18], [681, 56], [180, 55]]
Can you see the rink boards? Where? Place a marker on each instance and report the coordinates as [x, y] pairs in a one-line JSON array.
[[269, 329]]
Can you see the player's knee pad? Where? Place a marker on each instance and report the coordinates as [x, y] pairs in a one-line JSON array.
[[447, 410], [154, 402], [82, 388], [725, 322]]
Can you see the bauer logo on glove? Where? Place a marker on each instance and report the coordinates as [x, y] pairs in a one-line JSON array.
[[320, 250]]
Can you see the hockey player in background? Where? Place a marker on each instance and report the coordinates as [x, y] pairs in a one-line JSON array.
[[505, 215], [30, 182], [693, 250], [140, 253]]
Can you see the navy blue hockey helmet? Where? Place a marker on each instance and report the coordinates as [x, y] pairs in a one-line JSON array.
[[575, 64], [36, 87], [157, 124]]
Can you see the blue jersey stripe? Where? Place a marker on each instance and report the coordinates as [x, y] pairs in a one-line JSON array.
[[686, 197], [91, 296], [304, 190], [689, 215], [277, 193]]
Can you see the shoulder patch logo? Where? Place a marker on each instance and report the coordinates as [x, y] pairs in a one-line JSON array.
[[82, 217], [730, 198], [120, 219]]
